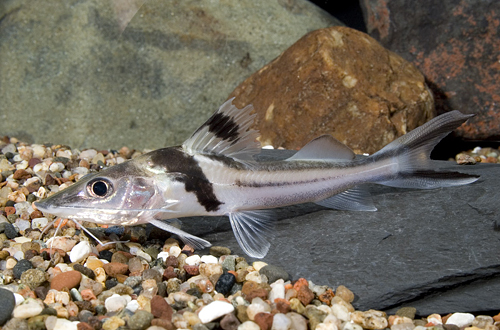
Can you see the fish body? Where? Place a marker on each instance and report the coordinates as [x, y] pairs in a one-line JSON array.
[[214, 173]]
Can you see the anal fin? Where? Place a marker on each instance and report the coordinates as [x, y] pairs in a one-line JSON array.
[[354, 199], [252, 230]]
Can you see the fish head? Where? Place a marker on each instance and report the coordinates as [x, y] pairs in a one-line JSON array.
[[120, 195]]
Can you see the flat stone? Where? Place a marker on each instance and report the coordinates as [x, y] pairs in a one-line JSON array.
[[274, 273], [443, 240]]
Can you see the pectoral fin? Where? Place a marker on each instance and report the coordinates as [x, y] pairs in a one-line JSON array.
[[252, 229], [192, 240]]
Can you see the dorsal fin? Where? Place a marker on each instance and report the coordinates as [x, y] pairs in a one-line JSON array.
[[226, 133], [324, 147]]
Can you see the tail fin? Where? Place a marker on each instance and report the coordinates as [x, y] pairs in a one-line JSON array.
[[412, 153]]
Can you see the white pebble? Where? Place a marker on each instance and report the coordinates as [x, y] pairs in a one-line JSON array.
[[144, 255], [257, 306], [326, 326], [193, 260], [257, 265], [22, 165], [56, 167], [19, 298], [460, 319], [22, 225], [38, 151], [115, 303], [175, 251], [163, 255], [299, 322], [88, 154], [62, 297], [19, 255], [341, 312], [30, 307], [249, 325], [81, 170], [39, 223], [208, 259], [132, 306], [281, 322], [215, 310], [254, 276], [63, 324], [277, 290], [9, 148]]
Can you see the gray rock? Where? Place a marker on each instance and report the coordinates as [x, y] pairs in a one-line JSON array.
[[274, 273], [33, 278], [22, 266], [89, 85], [140, 320], [435, 250], [16, 324], [8, 304]]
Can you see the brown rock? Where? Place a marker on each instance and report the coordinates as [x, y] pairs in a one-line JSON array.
[[166, 324], [264, 320], [10, 210], [21, 174], [161, 309], [326, 297], [171, 261], [305, 295], [36, 214], [84, 326], [192, 270], [252, 289], [229, 322], [33, 161], [241, 313], [115, 268], [68, 280], [336, 81], [121, 257], [169, 273], [282, 305]]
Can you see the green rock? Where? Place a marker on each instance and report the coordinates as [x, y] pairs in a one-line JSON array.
[[140, 320], [315, 316], [33, 278], [37, 322], [408, 312], [218, 251]]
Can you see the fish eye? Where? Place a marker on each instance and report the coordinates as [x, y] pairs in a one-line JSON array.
[[99, 188]]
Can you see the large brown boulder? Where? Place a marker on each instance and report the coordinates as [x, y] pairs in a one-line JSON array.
[[336, 81]]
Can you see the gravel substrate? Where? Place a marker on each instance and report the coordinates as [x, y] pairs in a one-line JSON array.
[[68, 282]]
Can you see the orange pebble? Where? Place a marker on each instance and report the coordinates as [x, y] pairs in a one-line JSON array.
[[88, 294], [61, 221], [232, 272], [300, 283], [497, 317], [288, 286], [445, 318]]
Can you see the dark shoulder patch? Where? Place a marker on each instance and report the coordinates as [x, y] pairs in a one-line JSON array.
[[174, 160]]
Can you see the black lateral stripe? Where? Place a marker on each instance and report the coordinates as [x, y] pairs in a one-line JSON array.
[[430, 174], [174, 160], [223, 126]]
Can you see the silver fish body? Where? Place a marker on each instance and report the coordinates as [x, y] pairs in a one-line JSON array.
[[214, 173]]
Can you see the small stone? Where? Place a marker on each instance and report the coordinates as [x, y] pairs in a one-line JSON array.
[[84, 270], [84, 326], [297, 306], [193, 260], [281, 322], [408, 312], [171, 261], [116, 303], [208, 259], [22, 266], [16, 324], [249, 325], [257, 306], [370, 319], [30, 307], [113, 323], [482, 321], [344, 293], [8, 303], [229, 322], [299, 322], [161, 309], [264, 320], [326, 297], [80, 251], [33, 278], [215, 310], [274, 273], [315, 316], [211, 270], [218, 251], [21, 174], [68, 280], [152, 274], [461, 319], [140, 320], [464, 159], [192, 270], [115, 268], [305, 295], [277, 290], [228, 263], [225, 283]]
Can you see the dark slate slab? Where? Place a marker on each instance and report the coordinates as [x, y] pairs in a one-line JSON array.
[[436, 250]]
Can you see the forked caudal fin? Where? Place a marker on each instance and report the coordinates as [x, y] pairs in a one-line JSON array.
[[412, 154]]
